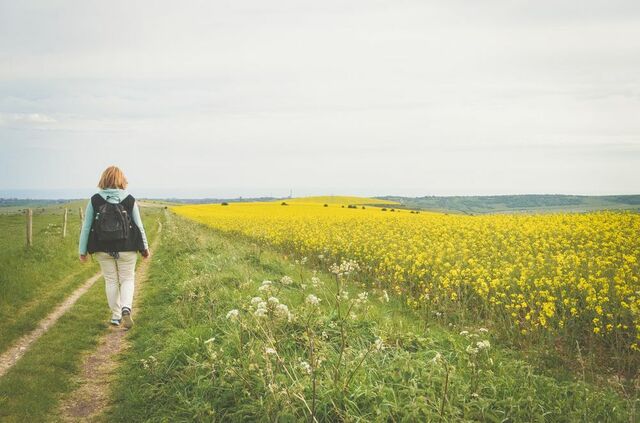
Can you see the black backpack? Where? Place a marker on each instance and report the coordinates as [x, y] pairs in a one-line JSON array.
[[113, 228], [112, 222]]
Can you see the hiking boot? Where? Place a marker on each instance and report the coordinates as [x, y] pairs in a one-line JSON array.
[[126, 318], [115, 322]]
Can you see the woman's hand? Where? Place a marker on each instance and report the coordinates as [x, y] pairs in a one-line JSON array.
[[83, 258], [146, 254]]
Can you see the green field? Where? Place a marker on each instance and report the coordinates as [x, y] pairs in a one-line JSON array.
[[33, 281], [520, 203]]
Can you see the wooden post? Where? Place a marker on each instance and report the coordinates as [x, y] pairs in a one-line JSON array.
[[81, 216], [29, 214], [64, 223]]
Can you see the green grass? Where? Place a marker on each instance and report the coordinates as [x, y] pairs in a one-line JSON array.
[[32, 389], [34, 280], [192, 363]]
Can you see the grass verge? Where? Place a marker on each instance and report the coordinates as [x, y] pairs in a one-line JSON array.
[[204, 351], [34, 280], [31, 390]]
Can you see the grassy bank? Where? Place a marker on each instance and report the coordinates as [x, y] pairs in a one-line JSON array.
[[32, 389], [208, 349], [35, 279]]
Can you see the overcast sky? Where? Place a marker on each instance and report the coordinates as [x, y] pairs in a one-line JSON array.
[[227, 98]]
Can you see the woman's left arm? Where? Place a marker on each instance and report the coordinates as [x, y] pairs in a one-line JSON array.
[[138, 221]]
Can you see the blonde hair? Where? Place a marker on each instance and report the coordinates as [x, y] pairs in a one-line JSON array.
[[113, 177]]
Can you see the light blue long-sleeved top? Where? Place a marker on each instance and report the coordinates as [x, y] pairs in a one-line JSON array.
[[112, 195]]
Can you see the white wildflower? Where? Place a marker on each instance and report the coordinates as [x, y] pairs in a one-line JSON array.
[[233, 314], [483, 330], [385, 296], [349, 266], [266, 286], [483, 345], [261, 311], [270, 351], [282, 311], [306, 367], [363, 297], [273, 301], [344, 268], [315, 281], [471, 350], [464, 333], [379, 345], [286, 280], [256, 300], [313, 300], [437, 358]]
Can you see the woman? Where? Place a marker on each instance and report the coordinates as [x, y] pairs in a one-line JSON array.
[[113, 230]]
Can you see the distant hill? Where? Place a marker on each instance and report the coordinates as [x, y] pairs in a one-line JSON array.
[[519, 203], [19, 202], [340, 199], [212, 200]]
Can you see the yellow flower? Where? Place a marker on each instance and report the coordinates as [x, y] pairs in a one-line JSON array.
[[541, 264]]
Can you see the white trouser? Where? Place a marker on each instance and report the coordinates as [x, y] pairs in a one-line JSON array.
[[119, 278]]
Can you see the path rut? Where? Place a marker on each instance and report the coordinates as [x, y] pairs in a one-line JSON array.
[[11, 356], [88, 402]]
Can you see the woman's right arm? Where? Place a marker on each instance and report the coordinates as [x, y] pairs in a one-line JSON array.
[[86, 229]]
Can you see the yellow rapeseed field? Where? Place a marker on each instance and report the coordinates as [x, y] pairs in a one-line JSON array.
[[568, 275]]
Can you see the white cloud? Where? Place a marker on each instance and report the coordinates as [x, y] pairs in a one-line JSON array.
[[25, 119]]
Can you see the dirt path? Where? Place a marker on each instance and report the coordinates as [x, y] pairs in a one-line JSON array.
[[15, 352], [90, 399]]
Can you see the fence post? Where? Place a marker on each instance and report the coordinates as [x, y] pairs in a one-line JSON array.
[[29, 214], [64, 223], [81, 216]]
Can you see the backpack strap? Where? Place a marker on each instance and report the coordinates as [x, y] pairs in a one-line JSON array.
[[128, 203], [97, 201]]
